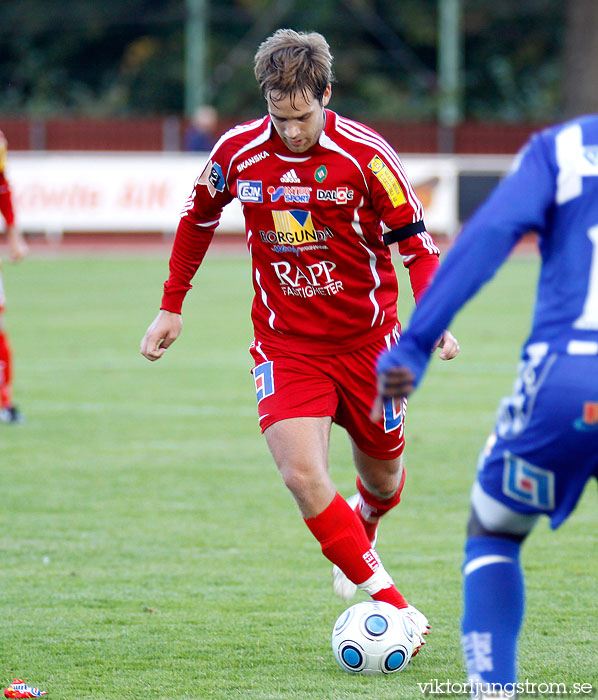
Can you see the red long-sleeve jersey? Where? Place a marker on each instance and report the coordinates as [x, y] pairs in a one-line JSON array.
[[323, 276]]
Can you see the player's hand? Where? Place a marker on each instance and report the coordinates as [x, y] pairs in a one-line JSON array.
[[161, 334], [18, 248], [449, 346], [395, 383], [19, 251]]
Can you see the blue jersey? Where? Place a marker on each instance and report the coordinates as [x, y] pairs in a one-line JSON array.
[[553, 191]]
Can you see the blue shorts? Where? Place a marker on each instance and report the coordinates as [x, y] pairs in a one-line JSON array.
[[544, 448]]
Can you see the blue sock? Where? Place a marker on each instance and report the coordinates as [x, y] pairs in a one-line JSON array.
[[494, 593]]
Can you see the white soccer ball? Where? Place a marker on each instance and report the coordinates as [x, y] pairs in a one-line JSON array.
[[372, 638]]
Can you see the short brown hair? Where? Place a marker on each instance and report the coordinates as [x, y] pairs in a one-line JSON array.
[[291, 62]]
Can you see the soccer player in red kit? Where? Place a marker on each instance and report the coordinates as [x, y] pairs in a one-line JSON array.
[[317, 191], [9, 413]]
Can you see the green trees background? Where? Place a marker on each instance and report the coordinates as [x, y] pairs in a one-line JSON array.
[[522, 61]]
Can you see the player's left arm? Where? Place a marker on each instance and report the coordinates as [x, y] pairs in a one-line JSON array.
[[421, 258], [448, 344], [394, 198], [520, 203]]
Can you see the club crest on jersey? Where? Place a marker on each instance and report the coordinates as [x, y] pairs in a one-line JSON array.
[[294, 227], [250, 191], [341, 195], [387, 179], [213, 178], [263, 377], [526, 483], [321, 174], [292, 194]]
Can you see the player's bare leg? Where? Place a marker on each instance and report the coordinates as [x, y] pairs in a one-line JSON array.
[[300, 449], [380, 476], [379, 486]]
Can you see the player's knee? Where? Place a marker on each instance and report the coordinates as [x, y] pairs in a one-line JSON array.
[[384, 489], [475, 528], [490, 517], [294, 479], [300, 479], [384, 479]]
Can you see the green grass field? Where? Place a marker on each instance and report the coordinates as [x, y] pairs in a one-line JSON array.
[[149, 548]]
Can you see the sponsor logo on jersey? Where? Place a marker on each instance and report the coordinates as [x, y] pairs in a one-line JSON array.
[[250, 191], [589, 418], [290, 176], [307, 281], [321, 174], [294, 227], [291, 193], [341, 195], [252, 161], [213, 178], [387, 179], [526, 483]]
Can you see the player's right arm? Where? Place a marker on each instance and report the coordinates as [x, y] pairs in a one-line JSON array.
[[193, 237]]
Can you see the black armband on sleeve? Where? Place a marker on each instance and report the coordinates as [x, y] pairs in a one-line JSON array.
[[400, 234]]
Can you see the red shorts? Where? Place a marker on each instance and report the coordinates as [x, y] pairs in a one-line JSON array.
[[343, 386]]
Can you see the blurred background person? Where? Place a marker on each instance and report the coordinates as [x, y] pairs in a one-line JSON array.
[[201, 134], [9, 413]]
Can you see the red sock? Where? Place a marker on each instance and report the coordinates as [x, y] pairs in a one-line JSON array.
[[343, 540], [391, 595], [5, 372], [344, 543], [370, 508]]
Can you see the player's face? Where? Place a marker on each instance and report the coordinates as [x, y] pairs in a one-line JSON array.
[[298, 121]]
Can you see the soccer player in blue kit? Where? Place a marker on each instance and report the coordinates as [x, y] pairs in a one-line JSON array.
[[544, 448]]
